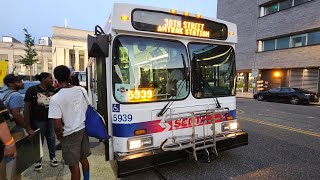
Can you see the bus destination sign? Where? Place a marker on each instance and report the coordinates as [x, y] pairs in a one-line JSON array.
[[162, 22], [184, 28]]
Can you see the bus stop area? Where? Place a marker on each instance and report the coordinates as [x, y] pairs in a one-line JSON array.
[[99, 168]]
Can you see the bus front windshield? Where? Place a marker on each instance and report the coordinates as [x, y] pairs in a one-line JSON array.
[[213, 70], [147, 69]]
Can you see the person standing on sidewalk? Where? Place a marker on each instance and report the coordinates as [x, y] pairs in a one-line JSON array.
[[68, 109], [14, 102], [36, 109]]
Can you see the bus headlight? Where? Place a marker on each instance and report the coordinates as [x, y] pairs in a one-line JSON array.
[[233, 126], [138, 143], [229, 126]]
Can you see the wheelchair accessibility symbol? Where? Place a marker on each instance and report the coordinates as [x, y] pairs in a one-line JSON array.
[[115, 107]]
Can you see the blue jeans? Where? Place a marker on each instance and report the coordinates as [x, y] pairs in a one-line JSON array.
[[47, 130]]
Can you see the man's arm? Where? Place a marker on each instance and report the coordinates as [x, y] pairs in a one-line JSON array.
[[58, 128], [18, 118], [8, 141]]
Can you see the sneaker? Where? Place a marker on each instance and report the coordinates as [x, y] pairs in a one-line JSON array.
[[38, 166], [54, 162]]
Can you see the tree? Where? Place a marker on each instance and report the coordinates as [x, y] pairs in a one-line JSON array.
[[31, 55]]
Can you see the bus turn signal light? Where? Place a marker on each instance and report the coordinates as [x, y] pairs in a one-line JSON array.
[[231, 33], [229, 118], [140, 132]]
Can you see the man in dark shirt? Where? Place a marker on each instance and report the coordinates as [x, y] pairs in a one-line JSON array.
[[37, 100]]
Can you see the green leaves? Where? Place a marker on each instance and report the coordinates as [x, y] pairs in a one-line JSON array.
[[31, 55]]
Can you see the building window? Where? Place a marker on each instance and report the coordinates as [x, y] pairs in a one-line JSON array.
[[81, 60], [49, 65], [297, 2], [285, 4], [269, 45], [299, 40], [280, 5], [271, 9], [313, 38], [283, 43], [306, 39]]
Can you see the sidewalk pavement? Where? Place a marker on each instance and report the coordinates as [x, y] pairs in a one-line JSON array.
[[99, 168]]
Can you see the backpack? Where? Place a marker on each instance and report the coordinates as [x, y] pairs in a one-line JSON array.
[[9, 117]]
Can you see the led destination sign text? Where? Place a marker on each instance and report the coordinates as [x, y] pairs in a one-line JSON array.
[[184, 28], [163, 22]]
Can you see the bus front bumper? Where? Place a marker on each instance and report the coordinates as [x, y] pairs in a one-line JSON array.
[[135, 163]]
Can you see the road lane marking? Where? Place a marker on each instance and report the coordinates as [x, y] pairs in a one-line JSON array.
[[282, 127]]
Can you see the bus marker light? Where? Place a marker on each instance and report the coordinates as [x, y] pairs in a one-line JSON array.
[[140, 132], [186, 13], [198, 15], [173, 11], [124, 18]]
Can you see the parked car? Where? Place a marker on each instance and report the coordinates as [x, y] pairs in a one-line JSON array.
[[27, 84], [287, 94]]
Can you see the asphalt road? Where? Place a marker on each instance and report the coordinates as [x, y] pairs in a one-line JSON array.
[[284, 143]]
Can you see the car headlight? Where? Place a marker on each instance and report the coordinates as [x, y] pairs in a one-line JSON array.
[[140, 142]]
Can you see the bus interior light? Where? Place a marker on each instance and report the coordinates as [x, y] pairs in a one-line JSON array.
[[125, 18], [173, 11], [198, 15], [186, 13]]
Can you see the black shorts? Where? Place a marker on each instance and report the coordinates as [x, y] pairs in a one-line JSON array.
[[75, 147]]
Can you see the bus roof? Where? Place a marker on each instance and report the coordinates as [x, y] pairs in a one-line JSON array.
[[122, 20]]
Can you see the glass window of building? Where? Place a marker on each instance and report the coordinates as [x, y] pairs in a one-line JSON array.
[[49, 65], [283, 43], [269, 45], [297, 2], [271, 8], [81, 60], [314, 38], [285, 4], [298, 40]]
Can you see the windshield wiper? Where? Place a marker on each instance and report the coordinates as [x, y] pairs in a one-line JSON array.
[[170, 102], [206, 82]]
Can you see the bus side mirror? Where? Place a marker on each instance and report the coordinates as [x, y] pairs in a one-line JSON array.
[[98, 46]]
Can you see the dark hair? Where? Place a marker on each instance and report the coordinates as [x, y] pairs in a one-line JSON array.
[[11, 78], [42, 76], [75, 80], [62, 73]]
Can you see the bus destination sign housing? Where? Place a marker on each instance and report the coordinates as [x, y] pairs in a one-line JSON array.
[[163, 22]]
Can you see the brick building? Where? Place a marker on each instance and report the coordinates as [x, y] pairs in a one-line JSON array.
[[279, 39]]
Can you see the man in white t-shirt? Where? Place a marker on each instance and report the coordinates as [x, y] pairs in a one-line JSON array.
[[68, 109]]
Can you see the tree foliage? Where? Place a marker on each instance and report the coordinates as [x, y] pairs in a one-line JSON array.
[[31, 55]]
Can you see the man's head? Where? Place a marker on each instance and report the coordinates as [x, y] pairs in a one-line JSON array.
[[62, 73], [13, 82]]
